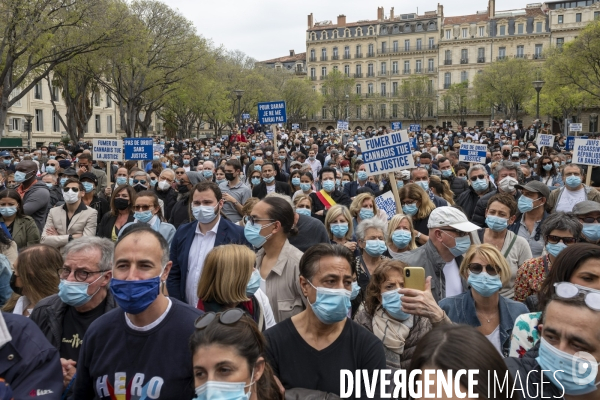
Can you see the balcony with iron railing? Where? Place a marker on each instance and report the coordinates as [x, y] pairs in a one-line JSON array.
[[447, 85], [407, 49], [448, 62], [313, 59], [538, 56], [313, 78], [395, 72], [347, 56], [406, 72], [371, 54], [323, 77], [358, 55], [418, 71], [464, 60], [358, 75], [370, 74], [335, 57], [481, 60], [500, 58], [383, 73], [323, 58], [431, 70]]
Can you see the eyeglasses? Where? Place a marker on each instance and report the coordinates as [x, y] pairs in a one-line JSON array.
[[142, 181], [249, 219], [589, 220], [72, 189], [458, 233], [475, 177], [568, 290], [80, 275], [142, 208], [180, 172], [555, 239], [226, 318], [476, 268]]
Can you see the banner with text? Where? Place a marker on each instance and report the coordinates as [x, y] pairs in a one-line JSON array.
[[342, 125], [107, 150], [387, 153], [571, 141], [586, 152], [545, 140], [470, 152], [272, 112], [387, 203], [396, 126], [138, 148]]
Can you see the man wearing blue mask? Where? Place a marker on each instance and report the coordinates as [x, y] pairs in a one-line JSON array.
[[588, 214], [480, 186], [457, 186], [83, 297], [351, 188], [427, 164], [125, 349], [565, 363], [269, 184], [420, 176], [194, 240], [574, 191], [441, 256], [308, 350]]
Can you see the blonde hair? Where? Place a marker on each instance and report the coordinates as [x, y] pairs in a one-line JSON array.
[[416, 192], [493, 257], [335, 212], [226, 273], [247, 208], [357, 204], [301, 197], [393, 224], [442, 188]]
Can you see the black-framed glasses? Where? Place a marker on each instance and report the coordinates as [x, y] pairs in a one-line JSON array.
[[458, 233], [477, 268], [475, 177], [589, 220], [80, 275], [72, 189], [251, 220], [555, 239], [226, 318], [568, 290]]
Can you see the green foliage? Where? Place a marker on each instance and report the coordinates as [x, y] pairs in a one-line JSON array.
[[338, 95], [416, 95], [457, 101]]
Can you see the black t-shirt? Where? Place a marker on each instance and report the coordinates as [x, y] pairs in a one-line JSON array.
[[75, 324], [299, 365]]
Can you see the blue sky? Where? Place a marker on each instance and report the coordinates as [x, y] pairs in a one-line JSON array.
[[266, 29]]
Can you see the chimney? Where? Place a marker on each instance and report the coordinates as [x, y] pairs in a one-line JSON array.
[[392, 13], [491, 8], [440, 11], [310, 20], [341, 20], [292, 53], [380, 13]]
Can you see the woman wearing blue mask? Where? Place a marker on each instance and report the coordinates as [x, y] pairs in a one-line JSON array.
[[306, 184], [294, 181], [383, 315], [363, 207], [500, 214], [147, 211], [21, 227], [417, 204], [482, 306], [255, 179], [548, 173], [229, 280], [322, 339], [340, 229], [303, 205], [401, 235], [228, 356]]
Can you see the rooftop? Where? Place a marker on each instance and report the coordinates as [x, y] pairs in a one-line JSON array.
[[289, 58]]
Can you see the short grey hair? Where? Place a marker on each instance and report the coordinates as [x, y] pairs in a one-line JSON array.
[[412, 171], [288, 199], [477, 167], [140, 173], [509, 165], [85, 244], [371, 223], [563, 222], [168, 171]]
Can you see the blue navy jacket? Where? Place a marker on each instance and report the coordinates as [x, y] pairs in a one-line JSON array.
[[227, 233], [351, 188], [461, 310], [29, 363]]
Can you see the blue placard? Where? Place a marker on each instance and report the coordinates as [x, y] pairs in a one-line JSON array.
[[245, 116], [571, 141], [272, 112], [414, 128], [413, 143], [159, 148], [342, 125], [138, 148], [269, 135], [295, 126], [396, 126]]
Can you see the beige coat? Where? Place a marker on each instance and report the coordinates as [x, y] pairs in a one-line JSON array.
[[83, 222], [283, 284]]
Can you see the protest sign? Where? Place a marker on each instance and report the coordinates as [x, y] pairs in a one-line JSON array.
[[295, 126], [545, 140], [470, 152], [342, 125], [576, 127], [107, 150], [138, 148], [387, 153], [387, 203], [587, 152], [571, 141], [272, 112], [415, 128], [396, 126]]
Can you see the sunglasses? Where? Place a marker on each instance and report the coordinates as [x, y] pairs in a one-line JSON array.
[[475, 177], [589, 220], [555, 239], [72, 189], [226, 318], [568, 290], [547, 163], [458, 233], [143, 181], [476, 268]]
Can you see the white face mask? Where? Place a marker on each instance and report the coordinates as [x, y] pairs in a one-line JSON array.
[[70, 197], [163, 185], [507, 184]]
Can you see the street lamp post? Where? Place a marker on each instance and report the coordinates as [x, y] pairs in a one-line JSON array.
[[29, 118], [348, 110], [594, 119], [239, 94], [538, 87]]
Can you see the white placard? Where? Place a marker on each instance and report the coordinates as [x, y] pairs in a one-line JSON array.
[[387, 153], [387, 203], [586, 152], [545, 140], [576, 127], [107, 150], [470, 152]]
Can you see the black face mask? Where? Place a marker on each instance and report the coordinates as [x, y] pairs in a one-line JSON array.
[[121, 204], [182, 189], [139, 188], [229, 176], [506, 153], [13, 286]]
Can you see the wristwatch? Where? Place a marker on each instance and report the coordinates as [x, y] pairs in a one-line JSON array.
[[419, 235]]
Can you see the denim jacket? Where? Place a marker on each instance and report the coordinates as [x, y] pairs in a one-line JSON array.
[[461, 310]]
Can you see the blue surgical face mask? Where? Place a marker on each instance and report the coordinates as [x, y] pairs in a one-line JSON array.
[[63, 181], [355, 290], [76, 294], [328, 185], [269, 180], [303, 211], [401, 238], [391, 301], [461, 245], [362, 175], [143, 216], [50, 169], [88, 186], [204, 214], [253, 236], [305, 187], [366, 213], [130, 180], [153, 182], [480, 185], [547, 167], [346, 169], [375, 248], [121, 180], [258, 168], [410, 209], [207, 174], [555, 248], [525, 204], [423, 184], [253, 283], [399, 184], [331, 305], [219, 390], [295, 181], [156, 158], [20, 177], [339, 230], [591, 231], [255, 181], [563, 369], [571, 181], [496, 224], [484, 283], [447, 173], [8, 211], [135, 296]]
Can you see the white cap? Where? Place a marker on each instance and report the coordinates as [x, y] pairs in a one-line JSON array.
[[450, 216]]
